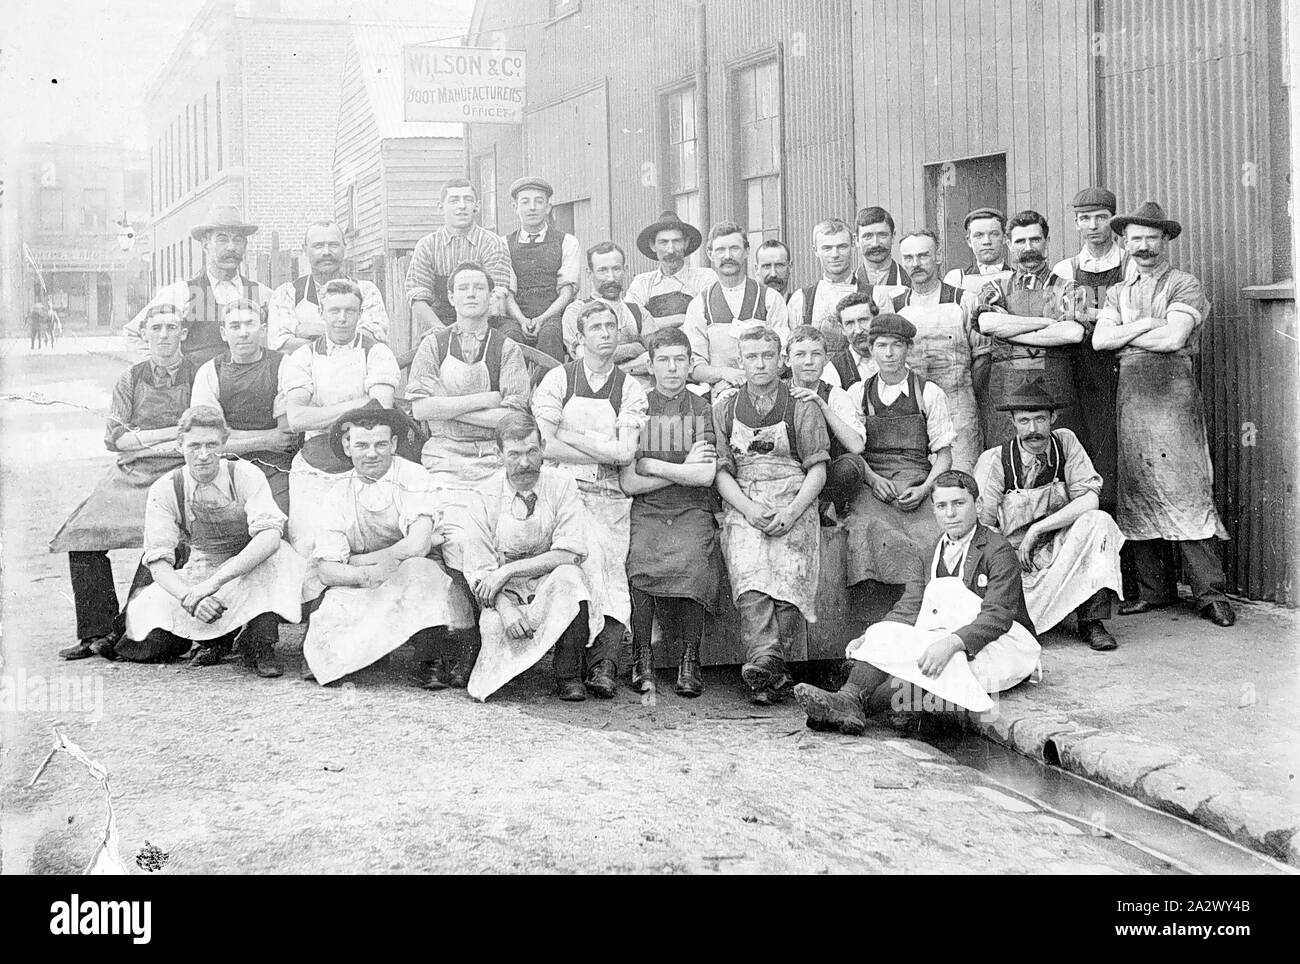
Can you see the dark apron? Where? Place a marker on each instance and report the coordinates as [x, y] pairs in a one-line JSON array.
[[898, 440], [669, 304], [247, 394], [203, 341], [537, 269], [1096, 377]]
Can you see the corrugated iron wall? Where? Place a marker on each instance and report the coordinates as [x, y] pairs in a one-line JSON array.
[[1184, 90]]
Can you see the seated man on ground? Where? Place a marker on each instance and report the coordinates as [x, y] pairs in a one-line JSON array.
[[954, 637]]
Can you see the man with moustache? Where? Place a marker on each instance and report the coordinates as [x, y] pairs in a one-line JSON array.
[[674, 559], [295, 317], [948, 350], [772, 266], [1032, 319], [852, 319], [958, 634], [224, 236], [815, 304], [547, 263], [666, 291], [590, 414], [878, 270], [457, 241], [717, 316], [244, 386], [1040, 491], [607, 267], [1153, 319], [986, 236], [772, 455]]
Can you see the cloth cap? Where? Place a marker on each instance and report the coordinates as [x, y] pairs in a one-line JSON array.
[[537, 183], [1093, 198], [888, 323]]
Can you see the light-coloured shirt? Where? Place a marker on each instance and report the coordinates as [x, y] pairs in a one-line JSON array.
[[182, 293], [933, 405], [425, 381], [954, 550], [958, 278], [437, 254], [1154, 296], [548, 398], [207, 388], [689, 281], [570, 271], [286, 315], [334, 373], [405, 492], [1080, 475], [827, 295], [236, 482], [1113, 257], [697, 330], [841, 406]]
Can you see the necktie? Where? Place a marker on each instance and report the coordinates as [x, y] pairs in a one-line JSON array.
[[529, 501], [1037, 470]]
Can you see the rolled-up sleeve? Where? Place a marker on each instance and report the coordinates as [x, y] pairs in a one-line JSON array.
[[571, 520], [381, 367], [420, 272], [938, 420], [162, 531], [992, 486], [548, 397], [1081, 476], [121, 411], [516, 385], [811, 434], [979, 344], [331, 544], [496, 258], [254, 491], [722, 409], [697, 332], [296, 371], [570, 262], [206, 390], [635, 409], [424, 380], [1185, 293]]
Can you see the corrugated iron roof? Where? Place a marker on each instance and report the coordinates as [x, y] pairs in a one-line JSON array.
[[379, 49]]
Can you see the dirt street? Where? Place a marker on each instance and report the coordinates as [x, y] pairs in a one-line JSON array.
[[227, 772]]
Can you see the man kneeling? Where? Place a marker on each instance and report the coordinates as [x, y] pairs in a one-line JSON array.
[[239, 572], [381, 589], [960, 634]]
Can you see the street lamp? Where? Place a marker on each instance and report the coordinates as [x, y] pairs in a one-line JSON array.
[[125, 234]]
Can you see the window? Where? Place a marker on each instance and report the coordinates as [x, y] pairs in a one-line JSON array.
[[94, 209], [757, 114], [680, 165], [217, 103], [485, 182], [51, 209], [153, 180]]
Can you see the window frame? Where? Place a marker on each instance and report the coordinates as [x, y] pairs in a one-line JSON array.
[[735, 69], [665, 147]]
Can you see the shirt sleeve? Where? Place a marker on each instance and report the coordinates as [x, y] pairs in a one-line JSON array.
[[980, 344], [1185, 294], [993, 295], [635, 409], [296, 372], [938, 421], [280, 406], [831, 376], [639, 289], [778, 315], [381, 367], [416, 498], [570, 272], [469, 530], [516, 384], [569, 328], [206, 390], [811, 434], [424, 380], [842, 406], [548, 397], [331, 543], [722, 426], [419, 273], [259, 504], [1081, 475], [162, 531], [992, 486], [496, 258], [1109, 315], [697, 332], [281, 321], [121, 411], [374, 316], [953, 278], [794, 308], [571, 521]]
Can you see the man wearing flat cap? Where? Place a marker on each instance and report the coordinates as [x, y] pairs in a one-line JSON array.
[[1039, 490], [1166, 480], [986, 236], [224, 236], [547, 264], [666, 291]]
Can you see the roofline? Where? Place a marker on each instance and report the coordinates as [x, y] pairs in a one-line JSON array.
[[476, 23], [207, 13]]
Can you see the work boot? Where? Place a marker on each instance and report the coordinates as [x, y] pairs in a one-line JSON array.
[[766, 676], [602, 681], [81, 650], [204, 656], [1137, 607], [689, 681], [1094, 633], [840, 710], [259, 656], [1219, 612], [433, 675], [643, 669], [470, 644], [571, 690]]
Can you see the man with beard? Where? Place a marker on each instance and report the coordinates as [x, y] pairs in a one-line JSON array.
[[1032, 319], [457, 241], [295, 308], [815, 304], [853, 362], [1153, 320], [666, 291], [947, 350], [591, 415], [224, 236], [878, 269], [673, 562], [1040, 491], [607, 267], [772, 266], [772, 455], [717, 316], [986, 236]]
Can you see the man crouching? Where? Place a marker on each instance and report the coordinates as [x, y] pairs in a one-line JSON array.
[[970, 605]]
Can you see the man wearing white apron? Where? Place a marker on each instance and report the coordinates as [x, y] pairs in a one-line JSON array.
[[374, 558], [1040, 491], [607, 267], [591, 415], [338, 372], [772, 455], [239, 573], [986, 233], [815, 304], [1153, 318], [727, 307], [294, 312], [948, 349], [957, 635]]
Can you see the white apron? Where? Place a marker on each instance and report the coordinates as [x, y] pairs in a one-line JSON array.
[[459, 464], [948, 604], [1072, 564], [941, 352], [785, 567]]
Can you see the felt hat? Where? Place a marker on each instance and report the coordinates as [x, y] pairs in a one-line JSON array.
[[536, 183], [888, 323], [1149, 215], [1031, 397], [371, 411], [223, 216], [1094, 199], [645, 241]]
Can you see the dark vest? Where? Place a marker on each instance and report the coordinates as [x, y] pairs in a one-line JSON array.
[[897, 435], [837, 449], [247, 392], [1013, 473], [947, 295], [575, 385], [203, 319], [446, 343], [782, 410], [537, 268], [1097, 283], [753, 305], [847, 368]]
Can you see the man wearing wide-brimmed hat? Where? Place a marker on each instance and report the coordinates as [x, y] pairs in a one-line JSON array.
[[668, 289], [224, 235], [1040, 491], [1166, 480]]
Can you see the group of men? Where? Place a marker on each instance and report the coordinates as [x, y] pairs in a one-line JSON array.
[[559, 472]]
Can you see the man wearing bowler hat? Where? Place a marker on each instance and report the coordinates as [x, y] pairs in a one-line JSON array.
[[224, 236], [1166, 480], [547, 264], [668, 289]]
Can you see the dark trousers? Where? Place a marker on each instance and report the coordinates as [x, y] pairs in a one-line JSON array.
[[1200, 559], [845, 476], [682, 620], [1100, 605], [572, 646], [768, 626], [94, 597], [549, 339]]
